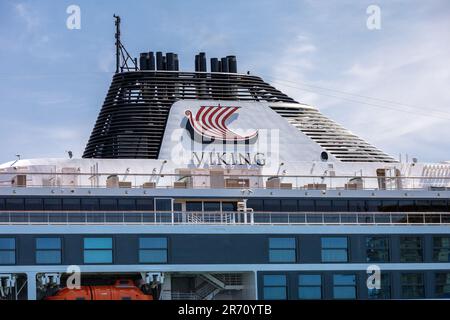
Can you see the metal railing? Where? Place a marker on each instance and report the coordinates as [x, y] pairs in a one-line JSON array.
[[236, 181], [220, 218]]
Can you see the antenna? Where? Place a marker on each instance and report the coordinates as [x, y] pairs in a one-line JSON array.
[[122, 55]]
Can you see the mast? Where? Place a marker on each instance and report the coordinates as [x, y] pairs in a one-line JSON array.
[[122, 55], [117, 36]]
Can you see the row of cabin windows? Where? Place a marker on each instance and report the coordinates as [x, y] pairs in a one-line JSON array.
[[80, 204], [269, 205], [281, 250], [347, 205], [336, 249], [96, 250], [344, 286]]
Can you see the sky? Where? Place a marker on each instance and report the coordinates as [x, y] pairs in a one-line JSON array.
[[390, 85]]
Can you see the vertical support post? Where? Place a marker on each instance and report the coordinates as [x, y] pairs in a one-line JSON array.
[[31, 285]]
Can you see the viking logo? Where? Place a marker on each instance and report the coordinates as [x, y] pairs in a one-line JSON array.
[[210, 125]]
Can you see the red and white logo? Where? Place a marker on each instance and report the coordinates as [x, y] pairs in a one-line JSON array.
[[209, 124]]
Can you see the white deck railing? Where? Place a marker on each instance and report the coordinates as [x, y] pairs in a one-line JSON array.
[[220, 218], [231, 181]]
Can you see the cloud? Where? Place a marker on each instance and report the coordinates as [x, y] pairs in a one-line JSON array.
[[30, 17], [406, 72]]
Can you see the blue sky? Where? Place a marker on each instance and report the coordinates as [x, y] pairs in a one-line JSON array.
[[390, 86]]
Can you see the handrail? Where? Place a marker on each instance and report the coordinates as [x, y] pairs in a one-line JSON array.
[[234, 180], [221, 218], [225, 174]]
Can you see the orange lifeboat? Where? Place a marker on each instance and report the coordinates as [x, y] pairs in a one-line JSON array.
[[121, 290]]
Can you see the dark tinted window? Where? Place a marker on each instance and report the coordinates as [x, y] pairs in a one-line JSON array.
[[89, 204], [406, 205], [71, 204], [340, 205], [256, 205], [289, 205], [193, 206], [357, 205], [211, 206], [108, 204], [127, 204], [272, 205], [411, 249], [423, 205], [439, 205], [144, 204], [374, 205], [377, 249], [442, 284], [34, 204], [323, 205], [390, 206], [14, 204], [229, 206], [441, 249], [306, 205], [384, 292], [52, 204], [412, 285]]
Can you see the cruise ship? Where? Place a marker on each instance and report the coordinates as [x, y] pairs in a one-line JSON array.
[[214, 185]]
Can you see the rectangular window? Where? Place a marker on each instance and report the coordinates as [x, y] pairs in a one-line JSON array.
[[442, 281], [98, 250], [89, 204], [340, 205], [412, 285], [275, 287], [211, 206], [255, 204], [144, 204], [289, 205], [282, 250], [310, 286], [194, 206], [324, 205], [34, 204], [411, 249], [71, 204], [306, 205], [14, 204], [7, 251], [108, 204], [153, 250], [127, 204], [48, 250], [377, 249], [441, 249], [272, 205], [52, 204], [229, 206], [334, 249], [344, 286], [384, 292]]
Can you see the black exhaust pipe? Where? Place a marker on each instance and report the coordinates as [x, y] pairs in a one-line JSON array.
[[143, 61], [159, 61], [224, 63], [232, 64], [215, 65]]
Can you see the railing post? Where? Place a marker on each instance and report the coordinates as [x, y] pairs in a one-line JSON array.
[[172, 217]]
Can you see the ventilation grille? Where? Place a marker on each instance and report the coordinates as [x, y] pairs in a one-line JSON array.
[[335, 139]]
